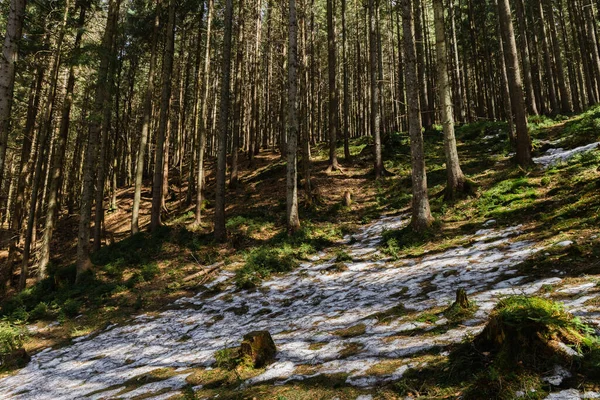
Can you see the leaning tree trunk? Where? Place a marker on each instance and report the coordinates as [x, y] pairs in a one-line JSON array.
[[456, 179], [515, 83], [157, 184], [293, 220], [220, 230], [8, 61], [421, 213]]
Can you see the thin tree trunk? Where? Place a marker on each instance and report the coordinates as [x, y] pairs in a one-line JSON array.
[[201, 139], [293, 220], [375, 120], [333, 123], [157, 185], [56, 174], [421, 213], [455, 179], [220, 230], [146, 118], [516, 84], [8, 61], [91, 156], [45, 136]]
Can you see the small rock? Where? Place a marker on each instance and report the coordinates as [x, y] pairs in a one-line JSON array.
[[490, 222], [260, 347], [564, 243], [559, 374]]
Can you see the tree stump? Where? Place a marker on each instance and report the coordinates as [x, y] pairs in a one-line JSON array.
[[259, 347], [462, 301], [347, 201]]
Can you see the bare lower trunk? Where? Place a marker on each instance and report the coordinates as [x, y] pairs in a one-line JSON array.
[[455, 178], [293, 220], [515, 83], [147, 116], [157, 185], [220, 231], [421, 213], [57, 170]]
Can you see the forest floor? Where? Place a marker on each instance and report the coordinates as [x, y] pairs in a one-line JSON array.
[[356, 308]]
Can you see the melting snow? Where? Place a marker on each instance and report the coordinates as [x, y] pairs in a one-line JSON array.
[[302, 308], [555, 156]]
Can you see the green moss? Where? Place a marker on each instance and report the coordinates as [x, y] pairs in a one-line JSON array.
[[353, 331]]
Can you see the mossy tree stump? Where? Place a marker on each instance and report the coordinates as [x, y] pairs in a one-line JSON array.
[[259, 348], [462, 301]]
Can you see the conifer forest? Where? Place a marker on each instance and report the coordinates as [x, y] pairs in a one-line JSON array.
[[300, 199]]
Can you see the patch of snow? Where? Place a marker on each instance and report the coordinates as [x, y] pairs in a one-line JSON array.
[[571, 394], [558, 376], [564, 243], [304, 307], [555, 156]]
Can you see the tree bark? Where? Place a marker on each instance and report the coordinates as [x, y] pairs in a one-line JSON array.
[[56, 174], [421, 213], [293, 220], [455, 178], [91, 155], [516, 84], [333, 122], [8, 61], [157, 185], [146, 118], [220, 230]]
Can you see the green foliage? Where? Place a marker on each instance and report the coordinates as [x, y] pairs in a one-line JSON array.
[[11, 338], [39, 312], [150, 271], [71, 307], [262, 262]]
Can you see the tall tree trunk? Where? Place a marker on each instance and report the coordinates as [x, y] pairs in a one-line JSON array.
[[201, 139], [238, 116], [146, 118], [56, 174], [220, 230], [332, 123], [8, 61], [293, 220], [565, 97], [516, 84], [45, 136], [157, 185], [375, 120], [91, 155], [346, 110], [421, 213], [547, 60], [456, 180], [525, 57]]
